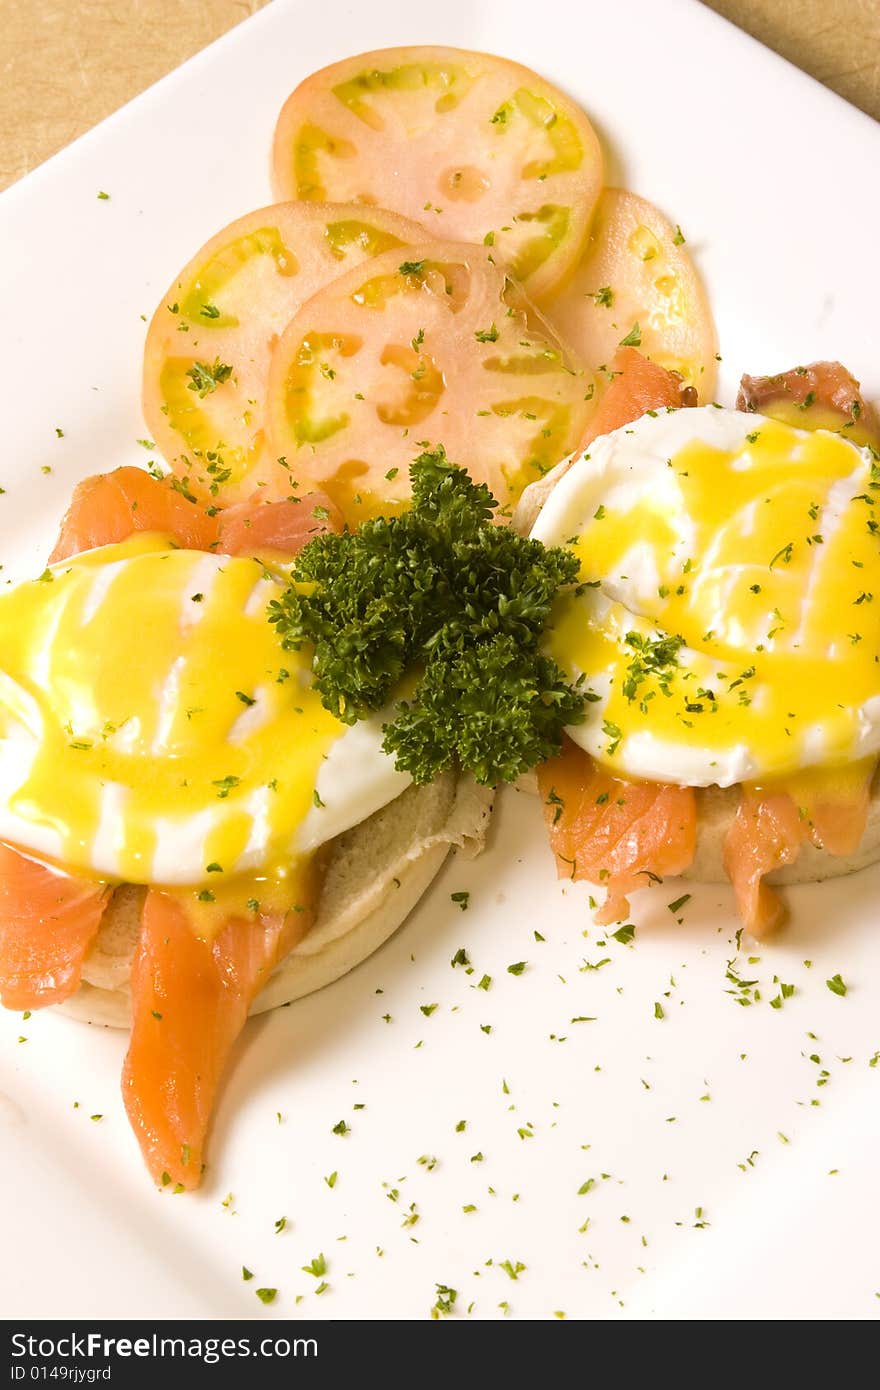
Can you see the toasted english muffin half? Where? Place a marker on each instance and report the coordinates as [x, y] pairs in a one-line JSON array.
[[375, 874]]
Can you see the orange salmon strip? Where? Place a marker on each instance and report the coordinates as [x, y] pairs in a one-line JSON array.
[[110, 507], [190, 1001], [767, 832], [285, 526], [839, 824], [620, 834], [48, 921], [638, 386]]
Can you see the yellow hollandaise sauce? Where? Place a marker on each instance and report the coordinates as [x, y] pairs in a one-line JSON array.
[[153, 730]]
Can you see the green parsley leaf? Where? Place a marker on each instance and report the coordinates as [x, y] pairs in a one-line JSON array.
[[653, 657], [445, 1303], [679, 903], [206, 379], [440, 589], [784, 554], [517, 968], [614, 733], [836, 985], [225, 786], [633, 337]]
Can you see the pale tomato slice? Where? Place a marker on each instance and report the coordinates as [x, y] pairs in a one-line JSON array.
[[207, 353], [399, 355], [637, 285], [479, 148]]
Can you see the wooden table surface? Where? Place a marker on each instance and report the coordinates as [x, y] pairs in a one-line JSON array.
[[66, 64]]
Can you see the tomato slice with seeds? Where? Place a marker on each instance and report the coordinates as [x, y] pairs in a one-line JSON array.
[[478, 148], [403, 354], [636, 284], [208, 349]]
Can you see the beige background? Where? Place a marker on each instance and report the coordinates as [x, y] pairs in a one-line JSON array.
[[68, 63]]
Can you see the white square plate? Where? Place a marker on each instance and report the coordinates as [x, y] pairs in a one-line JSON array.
[[728, 1181]]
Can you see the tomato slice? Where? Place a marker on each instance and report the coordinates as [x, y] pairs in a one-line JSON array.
[[439, 348], [207, 354], [636, 284], [479, 148]]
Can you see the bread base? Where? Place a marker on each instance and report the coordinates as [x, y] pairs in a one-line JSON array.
[[375, 876]]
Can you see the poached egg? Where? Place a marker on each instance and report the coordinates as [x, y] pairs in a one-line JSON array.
[[154, 731], [728, 623]]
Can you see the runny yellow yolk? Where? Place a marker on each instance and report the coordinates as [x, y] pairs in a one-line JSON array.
[[768, 568], [159, 698]]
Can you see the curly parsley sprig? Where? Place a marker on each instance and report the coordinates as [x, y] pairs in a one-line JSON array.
[[441, 591]]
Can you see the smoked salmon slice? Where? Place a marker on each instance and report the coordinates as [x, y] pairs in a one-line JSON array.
[[770, 827], [638, 385], [190, 1000], [48, 921], [823, 395], [110, 507], [837, 816], [286, 526], [620, 834], [767, 832]]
